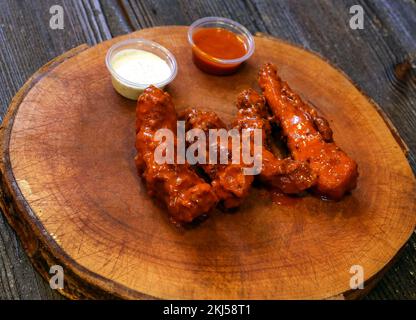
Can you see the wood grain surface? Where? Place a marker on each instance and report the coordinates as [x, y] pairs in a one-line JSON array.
[[76, 200], [380, 59]]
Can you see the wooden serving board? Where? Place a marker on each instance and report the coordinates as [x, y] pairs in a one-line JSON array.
[[71, 192]]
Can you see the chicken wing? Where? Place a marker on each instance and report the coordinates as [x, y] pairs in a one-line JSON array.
[[183, 192], [289, 175], [309, 137], [228, 181]]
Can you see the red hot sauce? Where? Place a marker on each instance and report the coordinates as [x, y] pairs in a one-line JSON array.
[[214, 45]]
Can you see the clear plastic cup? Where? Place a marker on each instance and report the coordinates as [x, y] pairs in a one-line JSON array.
[[130, 89], [211, 64]]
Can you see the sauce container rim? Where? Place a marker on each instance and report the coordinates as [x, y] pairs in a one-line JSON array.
[[168, 57], [223, 22]]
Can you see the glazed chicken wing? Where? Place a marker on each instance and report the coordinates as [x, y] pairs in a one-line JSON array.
[[228, 181], [289, 175], [309, 137], [183, 192]]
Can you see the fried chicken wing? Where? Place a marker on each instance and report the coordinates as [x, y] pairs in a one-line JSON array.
[[183, 192], [289, 175], [228, 181], [309, 137]]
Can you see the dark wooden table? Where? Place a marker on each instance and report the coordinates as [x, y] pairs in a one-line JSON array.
[[380, 59]]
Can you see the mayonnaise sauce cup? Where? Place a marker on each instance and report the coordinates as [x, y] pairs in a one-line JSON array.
[[135, 64]]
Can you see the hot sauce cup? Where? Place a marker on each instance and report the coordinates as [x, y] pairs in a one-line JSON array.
[[238, 45]]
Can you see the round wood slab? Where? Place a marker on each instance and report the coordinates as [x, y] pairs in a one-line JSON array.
[[71, 192]]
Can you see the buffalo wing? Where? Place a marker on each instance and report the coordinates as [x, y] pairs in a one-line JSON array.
[[183, 192], [309, 137], [288, 175], [229, 182]]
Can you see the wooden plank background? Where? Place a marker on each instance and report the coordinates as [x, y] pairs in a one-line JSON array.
[[380, 59]]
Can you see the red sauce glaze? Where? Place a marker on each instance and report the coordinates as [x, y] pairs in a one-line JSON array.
[[212, 44], [278, 197], [309, 137]]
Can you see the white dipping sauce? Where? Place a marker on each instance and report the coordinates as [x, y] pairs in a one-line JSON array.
[[141, 67]]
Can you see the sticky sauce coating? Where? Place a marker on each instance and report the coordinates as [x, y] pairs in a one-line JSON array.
[[309, 137], [184, 193]]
